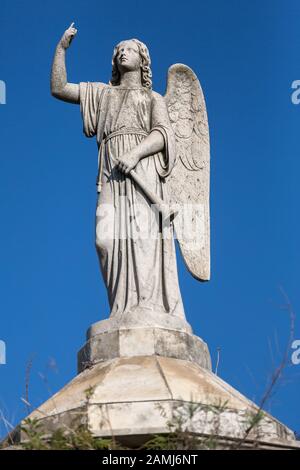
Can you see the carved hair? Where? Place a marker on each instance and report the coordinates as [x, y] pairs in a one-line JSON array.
[[146, 73]]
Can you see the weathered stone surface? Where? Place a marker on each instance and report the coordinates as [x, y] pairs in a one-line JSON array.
[[139, 396], [144, 342], [189, 181], [140, 318], [152, 151]]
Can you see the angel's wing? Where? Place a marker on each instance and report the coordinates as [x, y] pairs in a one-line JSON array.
[[188, 183]]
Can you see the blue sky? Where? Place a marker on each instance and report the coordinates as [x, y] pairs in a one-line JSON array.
[[246, 55]]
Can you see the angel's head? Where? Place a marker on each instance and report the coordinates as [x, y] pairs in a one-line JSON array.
[[131, 54]]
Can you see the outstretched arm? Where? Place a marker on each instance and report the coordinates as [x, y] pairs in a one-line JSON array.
[[60, 88]]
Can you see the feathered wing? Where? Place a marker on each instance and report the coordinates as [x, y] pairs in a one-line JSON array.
[[188, 183]]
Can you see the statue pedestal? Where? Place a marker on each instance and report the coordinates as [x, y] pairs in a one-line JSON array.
[[136, 381], [143, 341], [134, 398]]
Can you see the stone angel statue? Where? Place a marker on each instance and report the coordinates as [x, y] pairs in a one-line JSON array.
[[153, 155]]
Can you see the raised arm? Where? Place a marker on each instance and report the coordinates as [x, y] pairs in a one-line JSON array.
[[60, 88]]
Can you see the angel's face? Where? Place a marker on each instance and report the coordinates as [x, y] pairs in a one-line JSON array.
[[128, 56]]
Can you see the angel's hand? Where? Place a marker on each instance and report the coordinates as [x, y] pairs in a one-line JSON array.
[[127, 162], [68, 36]]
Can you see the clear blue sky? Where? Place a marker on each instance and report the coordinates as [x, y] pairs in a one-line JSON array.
[[246, 55]]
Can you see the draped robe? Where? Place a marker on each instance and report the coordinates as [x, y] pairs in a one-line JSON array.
[[139, 269]]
